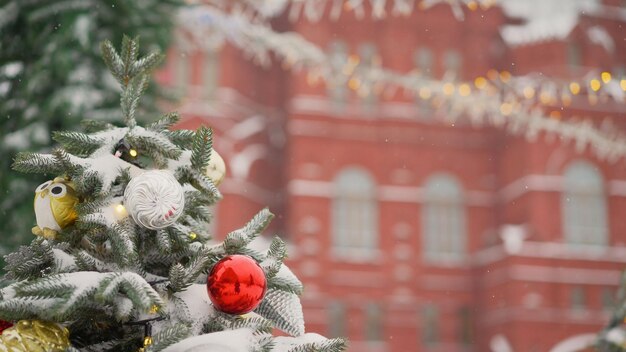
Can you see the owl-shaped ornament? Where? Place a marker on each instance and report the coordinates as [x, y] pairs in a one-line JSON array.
[[54, 207]]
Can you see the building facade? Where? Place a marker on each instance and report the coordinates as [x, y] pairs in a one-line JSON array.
[[411, 231]]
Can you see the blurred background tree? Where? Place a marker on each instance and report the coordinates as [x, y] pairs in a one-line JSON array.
[[52, 76]]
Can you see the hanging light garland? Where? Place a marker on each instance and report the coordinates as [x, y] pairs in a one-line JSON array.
[[499, 98]]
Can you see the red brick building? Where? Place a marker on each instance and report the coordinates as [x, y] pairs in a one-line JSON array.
[[412, 233]]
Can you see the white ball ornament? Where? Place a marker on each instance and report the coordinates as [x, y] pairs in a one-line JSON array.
[[154, 199]]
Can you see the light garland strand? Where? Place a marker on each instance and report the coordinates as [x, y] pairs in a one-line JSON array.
[[314, 10], [501, 101]]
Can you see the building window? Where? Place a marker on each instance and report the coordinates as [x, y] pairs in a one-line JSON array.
[[574, 55], [443, 219], [337, 86], [337, 319], [424, 61], [578, 301], [355, 213], [608, 298], [452, 64], [373, 322], [210, 73], [181, 71], [584, 206], [430, 325], [465, 326], [369, 58]]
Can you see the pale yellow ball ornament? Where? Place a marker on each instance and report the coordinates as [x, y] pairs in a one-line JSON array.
[[216, 170], [55, 203]]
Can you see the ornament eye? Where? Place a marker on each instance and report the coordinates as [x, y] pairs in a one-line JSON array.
[[43, 186], [58, 190]]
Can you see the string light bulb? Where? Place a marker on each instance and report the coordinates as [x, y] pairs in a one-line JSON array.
[[574, 87], [566, 99], [622, 84], [465, 90], [120, 211], [472, 5], [312, 78], [448, 89], [193, 236], [354, 83], [424, 93], [132, 152], [480, 82], [595, 85], [505, 76], [605, 76], [529, 92], [545, 98], [506, 109]]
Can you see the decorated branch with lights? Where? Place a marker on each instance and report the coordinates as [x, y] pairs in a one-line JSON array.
[[523, 105], [122, 260]]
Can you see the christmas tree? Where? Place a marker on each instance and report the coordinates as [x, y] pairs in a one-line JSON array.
[[613, 337], [122, 260], [52, 75]]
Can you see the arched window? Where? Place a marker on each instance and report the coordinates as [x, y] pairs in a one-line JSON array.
[[181, 71], [584, 205], [369, 58], [452, 63], [355, 213], [337, 89], [210, 72], [423, 60], [443, 219]]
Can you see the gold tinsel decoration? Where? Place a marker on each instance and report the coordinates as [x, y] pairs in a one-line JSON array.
[[35, 336]]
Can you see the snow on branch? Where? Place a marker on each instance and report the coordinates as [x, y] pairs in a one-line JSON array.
[[65, 296]]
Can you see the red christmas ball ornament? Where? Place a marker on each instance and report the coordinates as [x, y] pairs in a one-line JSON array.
[[236, 284], [4, 325]]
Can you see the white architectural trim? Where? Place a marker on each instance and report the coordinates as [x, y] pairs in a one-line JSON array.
[[445, 282], [548, 274], [356, 279], [530, 183], [249, 191], [385, 193], [321, 105], [545, 315], [617, 188], [552, 250], [413, 194], [310, 188]]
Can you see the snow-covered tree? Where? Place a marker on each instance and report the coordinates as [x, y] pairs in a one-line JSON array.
[[122, 259], [51, 74]]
